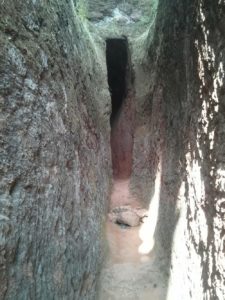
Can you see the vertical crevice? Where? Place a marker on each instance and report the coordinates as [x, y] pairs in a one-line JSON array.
[[120, 86], [117, 58]]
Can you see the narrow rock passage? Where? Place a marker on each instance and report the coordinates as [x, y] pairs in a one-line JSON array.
[[127, 274]]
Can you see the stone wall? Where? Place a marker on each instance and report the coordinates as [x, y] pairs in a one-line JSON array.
[[180, 127], [105, 8], [55, 156], [204, 182]]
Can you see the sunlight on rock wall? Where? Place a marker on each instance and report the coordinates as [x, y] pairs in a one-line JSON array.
[[198, 249], [147, 230]]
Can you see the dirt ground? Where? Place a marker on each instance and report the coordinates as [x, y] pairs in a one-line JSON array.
[[128, 274]]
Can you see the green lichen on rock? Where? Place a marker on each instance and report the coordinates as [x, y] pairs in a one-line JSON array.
[[82, 9]]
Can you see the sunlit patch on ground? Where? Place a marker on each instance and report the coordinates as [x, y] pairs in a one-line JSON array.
[[130, 271]]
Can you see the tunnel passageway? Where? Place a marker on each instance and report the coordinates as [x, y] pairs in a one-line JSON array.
[[117, 59], [112, 174], [122, 116], [127, 273]]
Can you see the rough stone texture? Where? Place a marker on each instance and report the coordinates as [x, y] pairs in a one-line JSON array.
[[129, 18], [127, 215], [180, 127], [122, 140], [129, 7], [128, 218], [55, 156], [204, 183], [179, 117], [55, 161]]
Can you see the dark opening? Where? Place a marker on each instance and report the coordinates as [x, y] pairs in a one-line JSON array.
[[116, 58]]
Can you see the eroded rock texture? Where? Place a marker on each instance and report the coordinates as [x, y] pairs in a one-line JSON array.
[[55, 139], [54, 130], [184, 137], [99, 9]]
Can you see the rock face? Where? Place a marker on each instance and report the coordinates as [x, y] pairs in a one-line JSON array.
[[127, 215], [98, 9], [116, 18], [55, 140], [180, 127], [55, 152]]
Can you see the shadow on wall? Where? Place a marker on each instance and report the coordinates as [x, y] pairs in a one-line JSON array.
[[122, 117], [207, 153], [190, 142], [170, 117]]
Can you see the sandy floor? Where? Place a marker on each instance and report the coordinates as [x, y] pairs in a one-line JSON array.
[[121, 195], [127, 274]]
